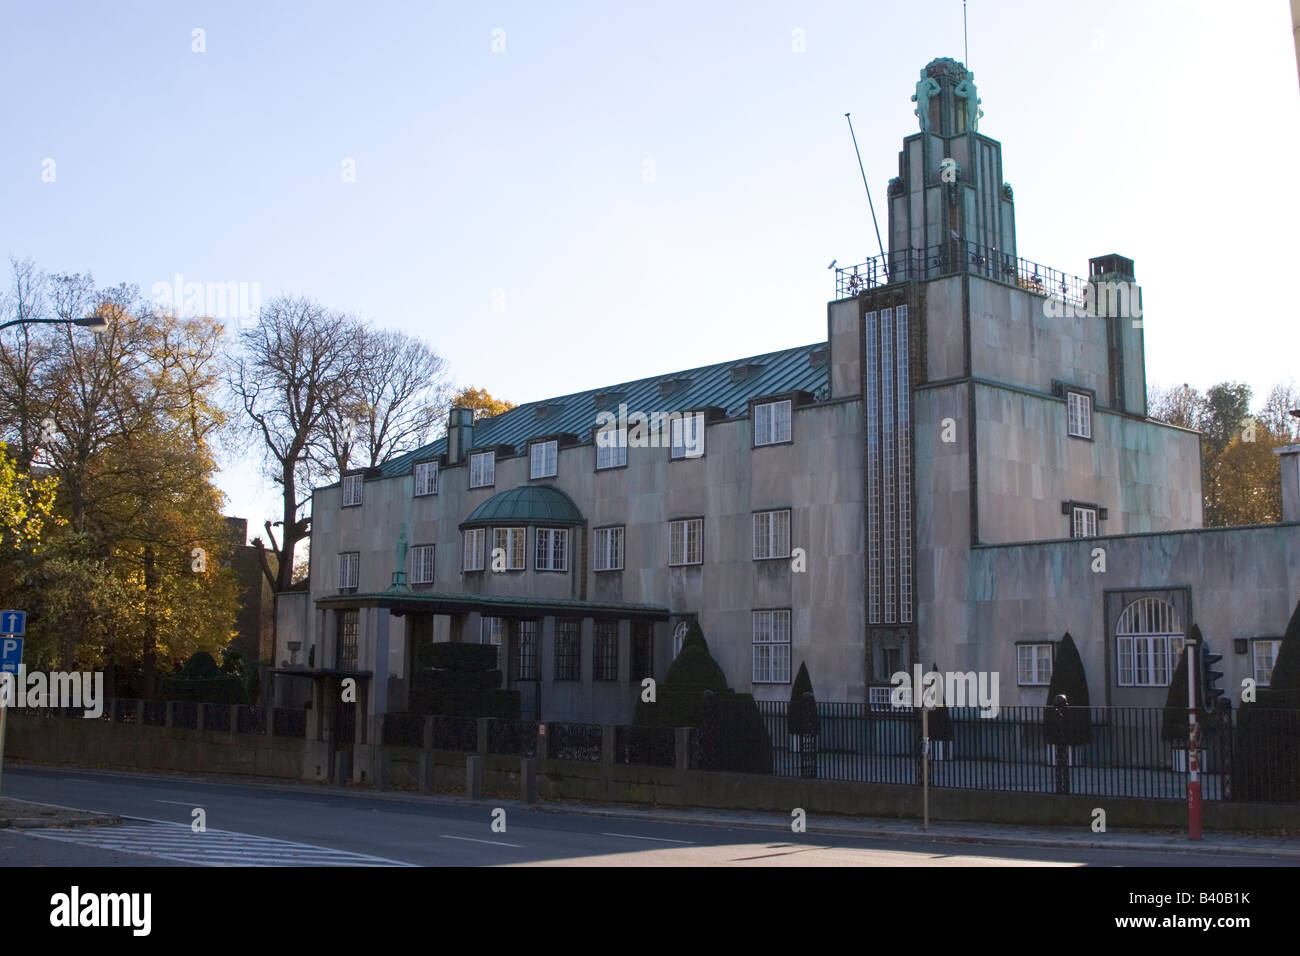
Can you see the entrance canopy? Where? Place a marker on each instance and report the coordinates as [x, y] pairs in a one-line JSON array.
[[493, 605]]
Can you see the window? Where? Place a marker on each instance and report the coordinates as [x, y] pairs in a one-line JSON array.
[[349, 570], [604, 651], [686, 436], [482, 469], [611, 449], [643, 651], [1079, 409], [686, 541], [426, 478], [508, 543], [491, 631], [542, 460], [771, 534], [349, 625], [1265, 657], [1149, 641], [568, 651], [422, 564], [1033, 664], [351, 490], [1084, 522], [475, 545], [772, 423], [771, 647], [552, 549], [526, 650], [609, 549]]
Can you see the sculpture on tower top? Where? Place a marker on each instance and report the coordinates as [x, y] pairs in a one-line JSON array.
[[966, 90], [925, 89]]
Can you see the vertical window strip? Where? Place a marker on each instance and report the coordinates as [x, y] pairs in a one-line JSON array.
[[887, 443], [904, 471], [873, 464]]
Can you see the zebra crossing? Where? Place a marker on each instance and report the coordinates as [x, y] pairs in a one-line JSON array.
[[177, 842]]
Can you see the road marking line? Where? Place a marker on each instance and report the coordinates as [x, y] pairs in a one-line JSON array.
[[181, 803], [448, 836], [632, 836]]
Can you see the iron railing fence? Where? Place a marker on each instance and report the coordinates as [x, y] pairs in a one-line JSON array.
[[513, 738], [216, 717], [455, 733], [645, 746], [572, 741], [1109, 751], [404, 730], [953, 257], [289, 723], [250, 720]]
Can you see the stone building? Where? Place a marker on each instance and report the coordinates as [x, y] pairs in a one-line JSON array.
[[959, 473]]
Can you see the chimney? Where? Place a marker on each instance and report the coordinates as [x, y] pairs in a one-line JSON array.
[[460, 434]]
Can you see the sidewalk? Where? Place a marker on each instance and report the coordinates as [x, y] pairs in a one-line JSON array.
[[1283, 847], [21, 815]]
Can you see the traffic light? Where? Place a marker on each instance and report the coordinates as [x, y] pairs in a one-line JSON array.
[[1210, 694]]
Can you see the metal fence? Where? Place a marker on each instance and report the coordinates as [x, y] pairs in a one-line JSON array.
[[515, 738], [957, 256], [250, 720], [569, 741], [404, 730], [1108, 751], [455, 733], [645, 746], [289, 723]]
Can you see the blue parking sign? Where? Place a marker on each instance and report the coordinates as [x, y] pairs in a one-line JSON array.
[[13, 622], [11, 653]]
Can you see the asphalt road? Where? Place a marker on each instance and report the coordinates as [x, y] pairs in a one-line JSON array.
[[316, 826]]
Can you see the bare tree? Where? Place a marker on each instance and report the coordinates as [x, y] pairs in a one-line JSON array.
[[398, 400], [1275, 414], [296, 366], [1181, 405]]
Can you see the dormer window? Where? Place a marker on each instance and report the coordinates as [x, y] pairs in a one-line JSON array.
[[351, 490], [482, 469], [542, 459], [772, 423], [426, 478]]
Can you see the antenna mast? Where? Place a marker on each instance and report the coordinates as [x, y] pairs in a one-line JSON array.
[[964, 45], [884, 261]]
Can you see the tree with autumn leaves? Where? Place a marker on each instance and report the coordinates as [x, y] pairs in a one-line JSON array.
[[1240, 479], [115, 433]]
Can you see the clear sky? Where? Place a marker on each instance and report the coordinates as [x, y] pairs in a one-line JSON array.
[[625, 190]]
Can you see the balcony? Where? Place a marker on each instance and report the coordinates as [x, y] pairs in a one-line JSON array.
[[952, 258]]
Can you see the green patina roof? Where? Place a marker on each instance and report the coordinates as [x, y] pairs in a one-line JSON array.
[[527, 504], [771, 374]]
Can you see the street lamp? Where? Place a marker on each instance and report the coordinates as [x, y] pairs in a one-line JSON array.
[[96, 323]]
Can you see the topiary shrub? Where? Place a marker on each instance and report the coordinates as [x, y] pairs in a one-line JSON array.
[[801, 715], [460, 680], [1173, 725], [1266, 746], [200, 666], [694, 693], [940, 721], [1068, 678], [200, 680]]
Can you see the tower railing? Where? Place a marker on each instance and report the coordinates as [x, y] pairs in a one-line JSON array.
[[955, 257]]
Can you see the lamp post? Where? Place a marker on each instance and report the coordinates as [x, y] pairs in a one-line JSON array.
[[96, 323]]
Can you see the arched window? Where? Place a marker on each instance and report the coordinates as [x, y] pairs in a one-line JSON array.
[[1149, 639]]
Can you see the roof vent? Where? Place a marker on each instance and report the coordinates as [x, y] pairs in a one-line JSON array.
[[608, 398], [740, 373], [818, 357], [672, 386], [548, 410]]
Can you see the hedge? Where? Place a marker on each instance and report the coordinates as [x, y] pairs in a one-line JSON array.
[[456, 656]]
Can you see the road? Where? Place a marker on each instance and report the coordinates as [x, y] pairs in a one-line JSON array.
[[317, 826]]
